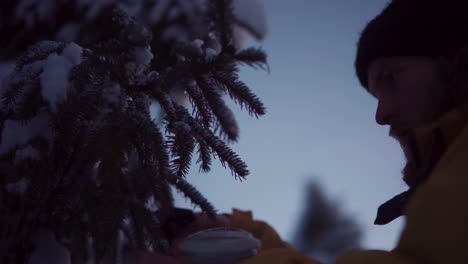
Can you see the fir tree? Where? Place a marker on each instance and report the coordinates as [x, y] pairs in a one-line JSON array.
[[80, 154]]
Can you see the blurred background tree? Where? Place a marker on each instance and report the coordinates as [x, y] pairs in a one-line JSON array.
[[325, 229]]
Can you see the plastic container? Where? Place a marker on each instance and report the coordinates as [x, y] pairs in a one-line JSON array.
[[220, 244]]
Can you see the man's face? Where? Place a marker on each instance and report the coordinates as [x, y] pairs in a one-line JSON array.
[[409, 91]]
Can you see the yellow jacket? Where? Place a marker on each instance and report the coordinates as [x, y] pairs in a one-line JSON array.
[[436, 229]]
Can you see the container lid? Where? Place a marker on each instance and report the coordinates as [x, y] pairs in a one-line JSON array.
[[220, 244]]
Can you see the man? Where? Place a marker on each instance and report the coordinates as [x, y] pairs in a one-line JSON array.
[[413, 59]]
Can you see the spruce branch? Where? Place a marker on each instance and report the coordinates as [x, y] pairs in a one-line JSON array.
[[29, 104], [164, 100], [254, 57], [150, 237], [226, 155], [239, 92], [11, 95], [203, 111], [17, 84], [194, 195], [205, 153], [224, 115], [156, 236], [155, 161], [221, 13], [182, 145], [38, 52]]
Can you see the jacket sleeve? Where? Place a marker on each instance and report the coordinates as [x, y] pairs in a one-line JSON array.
[[276, 251], [273, 249]]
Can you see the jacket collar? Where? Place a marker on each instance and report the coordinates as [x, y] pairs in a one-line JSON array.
[[447, 128], [426, 146]]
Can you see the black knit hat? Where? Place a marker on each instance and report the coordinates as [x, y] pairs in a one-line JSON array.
[[413, 28]]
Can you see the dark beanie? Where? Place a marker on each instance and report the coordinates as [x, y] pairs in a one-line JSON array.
[[413, 28]]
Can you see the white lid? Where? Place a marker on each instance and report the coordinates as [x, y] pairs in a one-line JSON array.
[[221, 244]]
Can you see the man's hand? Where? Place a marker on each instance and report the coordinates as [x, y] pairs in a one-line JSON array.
[[200, 222]]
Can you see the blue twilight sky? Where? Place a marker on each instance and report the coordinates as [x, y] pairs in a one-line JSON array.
[[320, 123]]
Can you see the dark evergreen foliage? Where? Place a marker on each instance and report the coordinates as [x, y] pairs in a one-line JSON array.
[[98, 166]]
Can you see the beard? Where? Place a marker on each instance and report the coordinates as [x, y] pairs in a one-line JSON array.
[[410, 167], [433, 110]]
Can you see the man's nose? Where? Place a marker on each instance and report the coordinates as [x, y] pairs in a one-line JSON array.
[[383, 114]]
